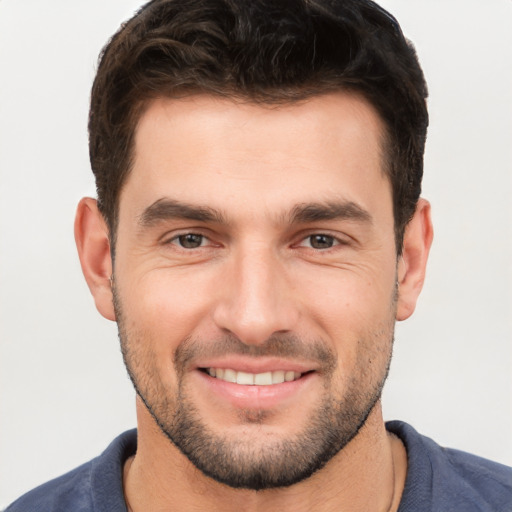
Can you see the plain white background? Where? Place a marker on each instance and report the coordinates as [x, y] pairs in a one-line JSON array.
[[64, 390]]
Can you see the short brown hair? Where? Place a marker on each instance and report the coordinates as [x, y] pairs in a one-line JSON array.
[[266, 51]]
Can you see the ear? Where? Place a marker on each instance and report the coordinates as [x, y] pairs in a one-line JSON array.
[[411, 267], [92, 241]]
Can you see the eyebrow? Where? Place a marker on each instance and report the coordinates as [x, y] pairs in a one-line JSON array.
[[313, 212], [171, 209]]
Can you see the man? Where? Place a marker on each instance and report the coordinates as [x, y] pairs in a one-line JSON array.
[[258, 231]]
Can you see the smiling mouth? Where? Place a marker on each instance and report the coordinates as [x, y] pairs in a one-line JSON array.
[[253, 379]]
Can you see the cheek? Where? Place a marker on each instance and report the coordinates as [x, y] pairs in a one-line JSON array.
[[156, 318], [169, 307], [344, 301], [354, 313]]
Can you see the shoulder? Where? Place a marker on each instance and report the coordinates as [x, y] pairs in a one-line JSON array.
[[445, 479], [68, 492], [95, 486]]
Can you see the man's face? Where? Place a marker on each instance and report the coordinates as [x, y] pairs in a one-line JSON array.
[[255, 280]]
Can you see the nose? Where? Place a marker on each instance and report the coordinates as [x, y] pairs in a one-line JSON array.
[[256, 298]]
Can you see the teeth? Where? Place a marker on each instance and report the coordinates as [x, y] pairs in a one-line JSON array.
[[227, 375], [263, 379], [253, 379], [277, 377], [245, 378], [289, 376]]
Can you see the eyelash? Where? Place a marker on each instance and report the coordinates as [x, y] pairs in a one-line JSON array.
[[330, 240], [178, 239]]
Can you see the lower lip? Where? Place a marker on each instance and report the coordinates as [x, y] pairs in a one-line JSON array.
[[256, 397]]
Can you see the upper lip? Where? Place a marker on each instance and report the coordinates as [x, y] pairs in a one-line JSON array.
[[256, 365]]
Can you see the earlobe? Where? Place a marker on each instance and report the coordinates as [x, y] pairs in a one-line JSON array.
[[92, 241], [412, 264]]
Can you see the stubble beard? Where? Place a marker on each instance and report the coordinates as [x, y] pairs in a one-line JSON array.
[[268, 461]]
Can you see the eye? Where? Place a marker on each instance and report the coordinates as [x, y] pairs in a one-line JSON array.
[[320, 241], [190, 240]]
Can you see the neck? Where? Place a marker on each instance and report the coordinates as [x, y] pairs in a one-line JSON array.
[[368, 474]]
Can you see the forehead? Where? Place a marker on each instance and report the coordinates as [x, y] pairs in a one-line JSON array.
[[224, 153]]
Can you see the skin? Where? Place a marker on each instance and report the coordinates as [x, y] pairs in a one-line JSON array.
[[255, 166]]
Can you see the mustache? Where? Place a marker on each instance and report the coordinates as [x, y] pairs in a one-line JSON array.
[[285, 345]]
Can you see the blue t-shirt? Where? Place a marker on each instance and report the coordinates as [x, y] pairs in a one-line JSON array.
[[438, 480]]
